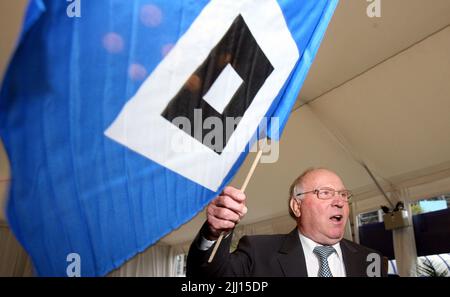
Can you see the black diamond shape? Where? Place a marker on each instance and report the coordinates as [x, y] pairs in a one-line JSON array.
[[238, 48]]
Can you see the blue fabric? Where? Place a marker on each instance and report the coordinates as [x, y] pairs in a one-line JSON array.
[[73, 189], [308, 24]]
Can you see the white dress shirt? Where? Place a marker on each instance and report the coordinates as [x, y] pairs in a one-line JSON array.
[[335, 260]]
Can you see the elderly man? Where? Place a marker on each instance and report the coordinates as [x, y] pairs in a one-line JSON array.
[[319, 203]]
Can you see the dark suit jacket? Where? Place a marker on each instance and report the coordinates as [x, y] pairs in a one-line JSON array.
[[270, 256]]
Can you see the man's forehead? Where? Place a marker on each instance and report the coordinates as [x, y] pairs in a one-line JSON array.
[[323, 177]]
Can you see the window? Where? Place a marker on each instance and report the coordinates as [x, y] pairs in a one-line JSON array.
[[432, 204], [370, 217]]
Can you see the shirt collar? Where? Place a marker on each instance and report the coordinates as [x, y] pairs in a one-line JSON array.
[[309, 245]]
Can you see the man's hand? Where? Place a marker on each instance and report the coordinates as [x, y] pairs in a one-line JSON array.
[[225, 211]]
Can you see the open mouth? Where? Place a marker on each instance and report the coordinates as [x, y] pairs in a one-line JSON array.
[[336, 218]]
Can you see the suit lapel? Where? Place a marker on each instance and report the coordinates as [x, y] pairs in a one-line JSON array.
[[291, 256], [350, 257]]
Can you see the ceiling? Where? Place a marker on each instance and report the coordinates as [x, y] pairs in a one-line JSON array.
[[377, 92], [355, 43]]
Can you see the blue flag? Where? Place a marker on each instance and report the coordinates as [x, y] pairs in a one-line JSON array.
[[123, 119]]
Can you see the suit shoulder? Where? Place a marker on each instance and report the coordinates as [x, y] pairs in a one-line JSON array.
[[262, 246], [264, 242], [264, 238]]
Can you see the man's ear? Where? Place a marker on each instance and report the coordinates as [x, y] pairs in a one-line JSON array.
[[295, 205]]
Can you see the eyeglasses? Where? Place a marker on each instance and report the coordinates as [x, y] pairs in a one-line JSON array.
[[328, 193]]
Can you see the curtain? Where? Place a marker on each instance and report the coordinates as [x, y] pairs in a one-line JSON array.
[[375, 236], [14, 261], [432, 232], [156, 261]]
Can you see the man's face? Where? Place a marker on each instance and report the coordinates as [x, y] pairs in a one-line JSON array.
[[323, 221]]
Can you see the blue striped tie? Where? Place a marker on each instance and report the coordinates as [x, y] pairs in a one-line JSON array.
[[323, 252]]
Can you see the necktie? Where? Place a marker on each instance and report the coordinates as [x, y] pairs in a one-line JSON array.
[[323, 252]]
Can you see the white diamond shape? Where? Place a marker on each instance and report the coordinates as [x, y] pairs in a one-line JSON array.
[[223, 89]]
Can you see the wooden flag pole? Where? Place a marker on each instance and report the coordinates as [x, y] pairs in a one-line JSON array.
[[244, 186]]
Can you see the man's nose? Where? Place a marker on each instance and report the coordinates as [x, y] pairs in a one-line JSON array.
[[337, 201]]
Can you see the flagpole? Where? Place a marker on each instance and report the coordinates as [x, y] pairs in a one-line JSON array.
[[244, 186]]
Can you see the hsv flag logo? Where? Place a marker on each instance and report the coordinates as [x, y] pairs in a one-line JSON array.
[[225, 71], [224, 85]]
